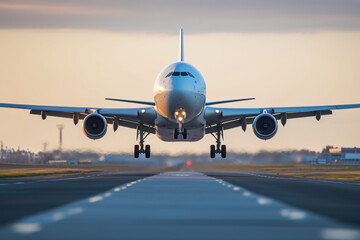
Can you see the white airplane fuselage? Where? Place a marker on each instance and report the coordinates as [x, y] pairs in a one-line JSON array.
[[180, 95]]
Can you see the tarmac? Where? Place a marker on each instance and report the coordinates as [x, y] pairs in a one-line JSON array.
[[181, 205]]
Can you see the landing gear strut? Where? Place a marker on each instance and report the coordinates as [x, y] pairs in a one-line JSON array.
[[140, 148], [218, 149], [180, 130], [177, 133]]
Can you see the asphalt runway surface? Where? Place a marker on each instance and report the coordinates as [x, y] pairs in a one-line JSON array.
[[21, 198], [179, 205], [335, 199]]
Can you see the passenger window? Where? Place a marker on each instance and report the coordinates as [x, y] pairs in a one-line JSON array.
[[184, 73], [190, 75], [169, 75], [176, 74]]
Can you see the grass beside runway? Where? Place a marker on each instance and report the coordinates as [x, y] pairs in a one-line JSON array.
[[10, 170], [30, 172], [349, 176], [338, 172]]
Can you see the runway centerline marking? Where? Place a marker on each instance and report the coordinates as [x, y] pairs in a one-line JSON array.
[[26, 228], [95, 199], [340, 234]]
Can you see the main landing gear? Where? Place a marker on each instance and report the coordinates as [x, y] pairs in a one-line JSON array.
[[218, 149], [140, 148]]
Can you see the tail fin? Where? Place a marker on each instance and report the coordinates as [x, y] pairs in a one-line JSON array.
[[181, 47]]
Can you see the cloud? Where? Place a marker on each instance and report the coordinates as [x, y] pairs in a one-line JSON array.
[[196, 16]]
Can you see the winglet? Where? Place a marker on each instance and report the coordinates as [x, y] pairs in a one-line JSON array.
[[181, 46]]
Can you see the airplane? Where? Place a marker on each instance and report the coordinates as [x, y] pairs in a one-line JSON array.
[[180, 112]]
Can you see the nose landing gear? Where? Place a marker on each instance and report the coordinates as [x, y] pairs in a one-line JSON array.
[[180, 115], [140, 148], [177, 133], [218, 149]]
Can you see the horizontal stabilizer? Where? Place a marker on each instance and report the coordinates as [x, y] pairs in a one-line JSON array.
[[131, 101], [229, 101]]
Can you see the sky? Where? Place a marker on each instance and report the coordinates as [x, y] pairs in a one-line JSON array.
[[283, 53]]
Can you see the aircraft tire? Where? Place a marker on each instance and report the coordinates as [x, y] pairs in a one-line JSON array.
[[176, 133], [223, 151], [147, 151], [185, 133], [136, 151], [212, 151]]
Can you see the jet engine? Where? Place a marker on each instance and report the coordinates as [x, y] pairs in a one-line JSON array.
[[265, 126], [94, 126]]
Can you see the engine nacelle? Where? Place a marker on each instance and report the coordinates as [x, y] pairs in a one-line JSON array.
[[265, 126], [94, 126]]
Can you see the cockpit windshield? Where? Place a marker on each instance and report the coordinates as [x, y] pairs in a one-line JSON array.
[[190, 75], [169, 74], [183, 74]]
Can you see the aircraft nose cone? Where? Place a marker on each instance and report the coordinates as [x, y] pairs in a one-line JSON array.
[[170, 102], [181, 83]]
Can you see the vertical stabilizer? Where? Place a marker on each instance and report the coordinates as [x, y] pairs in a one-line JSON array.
[[181, 46]]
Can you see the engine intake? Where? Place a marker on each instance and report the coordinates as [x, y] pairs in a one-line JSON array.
[[265, 126], [94, 126]]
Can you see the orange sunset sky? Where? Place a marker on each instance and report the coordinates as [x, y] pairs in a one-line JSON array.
[[76, 53]]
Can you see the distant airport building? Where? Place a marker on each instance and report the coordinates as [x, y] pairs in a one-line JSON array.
[[3, 152], [334, 155], [341, 155], [62, 162]]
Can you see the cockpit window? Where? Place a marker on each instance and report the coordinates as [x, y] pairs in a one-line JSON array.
[[190, 75], [180, 74]]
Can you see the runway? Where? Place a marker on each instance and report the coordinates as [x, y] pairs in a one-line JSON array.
[[191, 205], [22, 198]]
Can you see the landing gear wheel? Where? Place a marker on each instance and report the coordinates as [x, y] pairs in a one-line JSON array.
[[212, 151], [147, 151], [185, 133], [176, 133], [136, 151], [223, 151]]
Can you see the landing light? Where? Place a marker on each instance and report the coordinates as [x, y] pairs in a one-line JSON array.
[[183, 113], [180, 118], [143, 111]]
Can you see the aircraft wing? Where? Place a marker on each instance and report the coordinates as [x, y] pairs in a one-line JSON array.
[[128, 117], [236, 117]]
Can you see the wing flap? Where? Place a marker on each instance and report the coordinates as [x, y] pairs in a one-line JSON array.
[[58, 114]]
